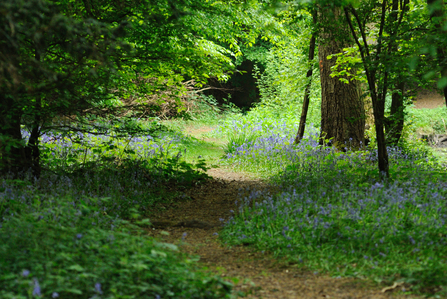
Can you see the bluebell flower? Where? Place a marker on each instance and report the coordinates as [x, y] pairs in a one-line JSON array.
[[98, 288], [36, 289]]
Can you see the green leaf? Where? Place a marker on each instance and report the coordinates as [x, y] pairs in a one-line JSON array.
[[413, 63], [442, 83], [429, 75], [78, 268], [73, 291]]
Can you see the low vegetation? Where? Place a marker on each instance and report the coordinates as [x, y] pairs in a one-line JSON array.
[[334, 213], [76, 231], [89, 150]]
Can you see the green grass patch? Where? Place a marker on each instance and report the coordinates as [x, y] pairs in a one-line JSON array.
[[428, 121]]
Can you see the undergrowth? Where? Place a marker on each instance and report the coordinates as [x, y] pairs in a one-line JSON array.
[[68, 250], [335, 213], [75, 231]]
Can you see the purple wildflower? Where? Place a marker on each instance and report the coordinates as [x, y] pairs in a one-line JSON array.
[[25, 273], [98, 288], [36, 289]]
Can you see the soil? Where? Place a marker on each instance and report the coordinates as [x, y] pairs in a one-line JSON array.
[[194, 224], [429, 99]]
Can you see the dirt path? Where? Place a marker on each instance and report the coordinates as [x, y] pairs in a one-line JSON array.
[[194, 226], [429, 99]]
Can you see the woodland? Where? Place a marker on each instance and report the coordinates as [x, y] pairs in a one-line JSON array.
[[115, 113]]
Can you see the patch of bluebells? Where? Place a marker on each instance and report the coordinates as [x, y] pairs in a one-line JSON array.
[[80, 191], [69, 215], [269, 145], [331, 211], [91, 147], [120, 187]]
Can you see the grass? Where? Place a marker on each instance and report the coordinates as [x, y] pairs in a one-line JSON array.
[[428, 121], [335, 214]]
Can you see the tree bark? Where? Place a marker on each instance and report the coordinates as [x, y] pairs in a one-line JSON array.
[[342, 111], [32, 148]]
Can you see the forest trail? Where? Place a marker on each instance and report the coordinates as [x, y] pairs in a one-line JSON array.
[[194, 225]]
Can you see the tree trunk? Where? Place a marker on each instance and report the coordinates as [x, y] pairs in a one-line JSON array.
[[32, 148], [342, 111], [12, 150], [394, 124], [306, 100], [379, 117], [377, 98]]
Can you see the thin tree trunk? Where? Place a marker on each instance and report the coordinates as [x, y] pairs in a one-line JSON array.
[[306, 100], [394, 124], [378, 101], [342, 111], [382, 153], [32, 148]]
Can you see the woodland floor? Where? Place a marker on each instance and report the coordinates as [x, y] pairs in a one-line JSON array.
[[193, 225], [429, 99]]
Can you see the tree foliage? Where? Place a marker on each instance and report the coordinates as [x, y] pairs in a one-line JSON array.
[[71, 58], [65, 58], [50, 64]]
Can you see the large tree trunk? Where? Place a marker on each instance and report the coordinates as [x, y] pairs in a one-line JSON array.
[[342, 111]]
